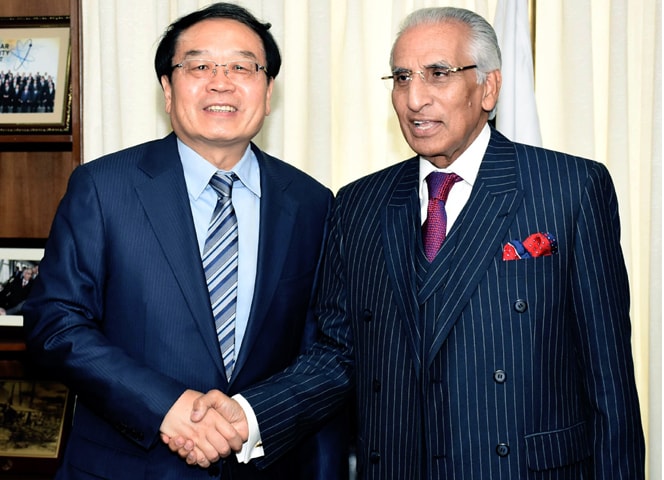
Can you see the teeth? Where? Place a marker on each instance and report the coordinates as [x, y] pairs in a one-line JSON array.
[[418, 122], [221, 108]]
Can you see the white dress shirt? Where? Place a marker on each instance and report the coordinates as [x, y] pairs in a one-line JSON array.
[[466, 166]]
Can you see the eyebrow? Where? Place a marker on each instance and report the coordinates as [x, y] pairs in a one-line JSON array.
[[203, 53], [439, 64]]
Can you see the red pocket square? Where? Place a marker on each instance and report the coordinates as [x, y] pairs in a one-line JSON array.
[[539, 244]]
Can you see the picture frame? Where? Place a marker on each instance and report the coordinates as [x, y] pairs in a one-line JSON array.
[[35, 66], [35, 410], [35, 418], [14, 260]]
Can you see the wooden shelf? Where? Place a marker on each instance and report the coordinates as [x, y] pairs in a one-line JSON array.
[[32, 138], [12, 339], [12, 346], [35, 168]]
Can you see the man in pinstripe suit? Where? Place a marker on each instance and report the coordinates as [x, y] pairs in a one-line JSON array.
[[507, 356]]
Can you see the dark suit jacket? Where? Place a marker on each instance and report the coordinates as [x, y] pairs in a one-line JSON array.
[[121, 311], [475, 367]]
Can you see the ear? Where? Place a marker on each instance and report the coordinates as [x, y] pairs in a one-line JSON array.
[[268, 96], [491, 90], [166, 87]]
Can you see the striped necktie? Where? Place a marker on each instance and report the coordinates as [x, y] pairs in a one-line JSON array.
[[435, 226], [220, 259]]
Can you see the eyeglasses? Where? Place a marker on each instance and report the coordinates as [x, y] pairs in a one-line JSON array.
[[436, 75], [237, 71]]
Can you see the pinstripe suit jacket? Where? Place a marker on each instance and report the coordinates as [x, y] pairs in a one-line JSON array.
[[121, 310], [478, 368]]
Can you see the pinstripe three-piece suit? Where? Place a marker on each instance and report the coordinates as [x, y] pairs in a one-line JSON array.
[[473, 367]]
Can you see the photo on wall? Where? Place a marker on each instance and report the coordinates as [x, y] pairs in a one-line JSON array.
[[34, 75]]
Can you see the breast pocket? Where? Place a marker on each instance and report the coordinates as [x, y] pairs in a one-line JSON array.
[[543, 267]]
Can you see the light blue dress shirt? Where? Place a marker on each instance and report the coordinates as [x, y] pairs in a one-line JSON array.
[[246, 202]]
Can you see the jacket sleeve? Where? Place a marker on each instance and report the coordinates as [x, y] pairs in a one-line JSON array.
[[65, 322], [601, 307], [298, 401]]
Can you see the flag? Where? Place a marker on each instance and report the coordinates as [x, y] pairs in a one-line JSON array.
[[516, 115]]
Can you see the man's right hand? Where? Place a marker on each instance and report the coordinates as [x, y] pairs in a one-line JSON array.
[[203, 435], [225, 406]]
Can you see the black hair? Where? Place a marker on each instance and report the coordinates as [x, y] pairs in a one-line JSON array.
[[166, 49]]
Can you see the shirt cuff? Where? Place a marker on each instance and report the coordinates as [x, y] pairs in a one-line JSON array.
[[253, 447]]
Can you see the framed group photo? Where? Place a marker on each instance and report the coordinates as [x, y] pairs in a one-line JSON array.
[[35, 54]]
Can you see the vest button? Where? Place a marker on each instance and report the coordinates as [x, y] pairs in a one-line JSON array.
[[520, 306], [502, 449]]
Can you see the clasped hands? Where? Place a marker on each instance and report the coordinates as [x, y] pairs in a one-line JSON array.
[[202, 428]]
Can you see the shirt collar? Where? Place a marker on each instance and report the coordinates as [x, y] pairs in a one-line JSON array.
[[198, 171], [466, 166]]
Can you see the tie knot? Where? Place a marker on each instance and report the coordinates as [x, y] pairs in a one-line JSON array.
[[222, 183], [441, 183]]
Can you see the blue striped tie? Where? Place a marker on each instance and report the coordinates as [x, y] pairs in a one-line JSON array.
[[220, 264]]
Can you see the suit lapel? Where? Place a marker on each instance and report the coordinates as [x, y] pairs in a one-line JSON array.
[[400, 223], [474, 240], [166, 203], [277, 222]]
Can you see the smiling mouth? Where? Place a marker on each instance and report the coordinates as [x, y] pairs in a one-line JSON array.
[[221, 108], [423, 124]]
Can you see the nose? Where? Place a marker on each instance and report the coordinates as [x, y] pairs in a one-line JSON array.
[[418, 93]]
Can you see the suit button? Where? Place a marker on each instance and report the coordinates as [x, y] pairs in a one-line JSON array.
[[374, 456], [376, 386], [502, 449], [367, 315], [520, 306], [499, 376]]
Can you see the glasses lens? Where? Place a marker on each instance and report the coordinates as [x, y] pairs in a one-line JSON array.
[[198, 68], [437, 75], [240, 70]]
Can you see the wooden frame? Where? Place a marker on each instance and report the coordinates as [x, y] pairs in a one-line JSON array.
[[35, 416], [38, 48]]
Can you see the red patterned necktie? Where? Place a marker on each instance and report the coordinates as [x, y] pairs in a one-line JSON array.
[[435, 226]]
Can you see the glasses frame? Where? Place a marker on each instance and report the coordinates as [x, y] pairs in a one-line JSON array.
[[258, 66], [409, 73]]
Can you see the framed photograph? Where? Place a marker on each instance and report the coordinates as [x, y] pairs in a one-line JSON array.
[[18, 269], [34, 420], [35, 94]]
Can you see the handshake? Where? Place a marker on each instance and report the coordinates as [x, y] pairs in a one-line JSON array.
[[202, 428]]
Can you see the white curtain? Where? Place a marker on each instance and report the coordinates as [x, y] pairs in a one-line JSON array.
[[598, 92]]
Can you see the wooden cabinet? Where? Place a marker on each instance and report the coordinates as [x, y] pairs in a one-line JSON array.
[[34, 168]]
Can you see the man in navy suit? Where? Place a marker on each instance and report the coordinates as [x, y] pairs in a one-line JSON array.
[[121, 310], [505, 353]]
